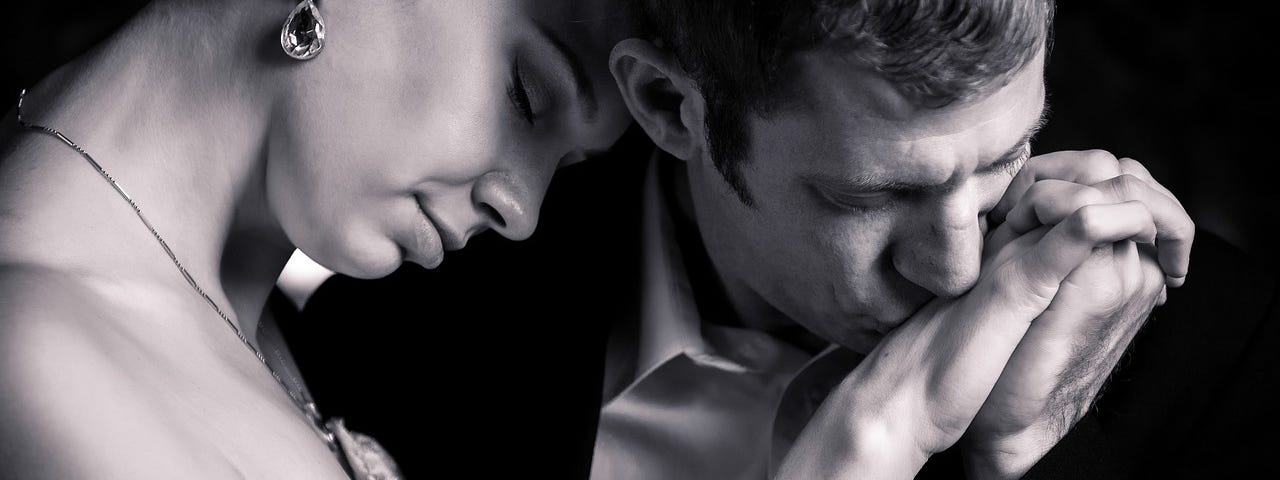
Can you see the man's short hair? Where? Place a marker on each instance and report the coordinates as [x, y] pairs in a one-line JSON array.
[[935, 51]]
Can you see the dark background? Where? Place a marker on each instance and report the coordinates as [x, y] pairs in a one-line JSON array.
[[1179, 85]]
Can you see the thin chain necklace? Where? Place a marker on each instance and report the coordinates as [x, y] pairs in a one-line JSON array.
[[308, 408]]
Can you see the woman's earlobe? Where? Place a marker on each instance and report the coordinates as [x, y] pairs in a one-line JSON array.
[[661, 97]]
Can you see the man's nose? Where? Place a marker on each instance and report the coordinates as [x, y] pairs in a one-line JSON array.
[[942, 250]]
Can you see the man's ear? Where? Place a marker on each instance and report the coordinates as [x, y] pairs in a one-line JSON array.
[[661, 96]]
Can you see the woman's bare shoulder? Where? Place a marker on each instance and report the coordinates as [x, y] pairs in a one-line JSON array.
[[45, 310], [25, 285], [42, 311], [69, 407]]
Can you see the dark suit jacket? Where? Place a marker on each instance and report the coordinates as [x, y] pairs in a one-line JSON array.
[[493, 362]]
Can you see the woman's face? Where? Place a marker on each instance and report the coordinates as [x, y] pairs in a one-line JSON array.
[[422, 123]]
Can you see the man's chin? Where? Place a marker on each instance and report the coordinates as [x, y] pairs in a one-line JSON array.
[[877, 328]]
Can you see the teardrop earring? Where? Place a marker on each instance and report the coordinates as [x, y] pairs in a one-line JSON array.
[[302, 36]]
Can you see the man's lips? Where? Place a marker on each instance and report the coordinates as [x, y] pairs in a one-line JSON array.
[[879, 327], [905, 310]]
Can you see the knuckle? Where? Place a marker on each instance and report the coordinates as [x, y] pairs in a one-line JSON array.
[[1098, 159], [1184, 229], [1087, 222], [1028, 290], [1091, 196], [1036, 200], [1112, 294], [1133, 167], [1004, 279], [1127, 186], [1037, 190]]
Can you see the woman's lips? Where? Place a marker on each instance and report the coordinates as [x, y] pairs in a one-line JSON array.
[[428, 251]]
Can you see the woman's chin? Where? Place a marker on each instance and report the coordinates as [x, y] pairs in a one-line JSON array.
[[367, 263], [380, 269]]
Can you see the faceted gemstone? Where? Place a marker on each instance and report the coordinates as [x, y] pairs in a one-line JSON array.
[[365, 457], [303, 34]]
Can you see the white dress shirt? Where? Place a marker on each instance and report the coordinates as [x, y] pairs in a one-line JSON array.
[[693, 399]]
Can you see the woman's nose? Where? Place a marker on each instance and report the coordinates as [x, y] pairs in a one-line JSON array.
[[509, 203]]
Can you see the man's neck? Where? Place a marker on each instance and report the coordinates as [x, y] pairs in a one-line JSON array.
[[720, 301]]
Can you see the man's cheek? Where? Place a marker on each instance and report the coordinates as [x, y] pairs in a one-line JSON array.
[[990, 189]]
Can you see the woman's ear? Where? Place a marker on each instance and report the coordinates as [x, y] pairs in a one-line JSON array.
[[662, 98]]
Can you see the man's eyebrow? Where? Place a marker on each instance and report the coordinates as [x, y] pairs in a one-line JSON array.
[[869, 183], [1010, 158], [581, 84]]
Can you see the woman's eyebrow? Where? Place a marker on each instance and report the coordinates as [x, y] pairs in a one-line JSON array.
[[581, 83]]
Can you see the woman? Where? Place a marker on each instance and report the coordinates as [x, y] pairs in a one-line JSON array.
[[364, 133]]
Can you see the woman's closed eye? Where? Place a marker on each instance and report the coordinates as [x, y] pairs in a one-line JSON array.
[[526, 92]]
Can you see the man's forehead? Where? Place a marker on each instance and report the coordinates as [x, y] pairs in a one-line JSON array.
[[852, 116], [830, 84]]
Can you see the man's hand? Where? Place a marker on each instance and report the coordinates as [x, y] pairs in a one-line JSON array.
[[1067, 354], [1030, 200], [920, 388], [1053, 261]]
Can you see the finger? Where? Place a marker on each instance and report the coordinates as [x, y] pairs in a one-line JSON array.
[[1003, 244], [1097, 339], [995, 240], [1049, 201], [1140, 293], [999, 310], [1086, 167], [1151, 286], [1152, 274], [1033, 278], [978, 338], [1128, 262], [1135, 168], [1174, 229]]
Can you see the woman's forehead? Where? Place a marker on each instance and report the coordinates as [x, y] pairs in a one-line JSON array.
[[590, 21]]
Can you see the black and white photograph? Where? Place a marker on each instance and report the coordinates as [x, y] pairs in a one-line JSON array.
[[639, 239]]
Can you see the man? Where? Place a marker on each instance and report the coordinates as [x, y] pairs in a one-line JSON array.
[[850, 220], [839, 164]]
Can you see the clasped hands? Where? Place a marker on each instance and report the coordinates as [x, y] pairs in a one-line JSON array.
[[1086, 245]]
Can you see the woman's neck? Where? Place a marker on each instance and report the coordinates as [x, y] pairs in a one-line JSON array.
[[176, 107]]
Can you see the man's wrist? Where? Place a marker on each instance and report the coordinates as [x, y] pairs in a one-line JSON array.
[[869, 450], [1008, 457], [853, 436]]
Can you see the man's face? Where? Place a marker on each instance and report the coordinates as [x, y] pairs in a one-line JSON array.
[[866, 207]]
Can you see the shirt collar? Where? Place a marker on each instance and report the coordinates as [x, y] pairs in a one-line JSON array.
[[682, 371], [670, 323]]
